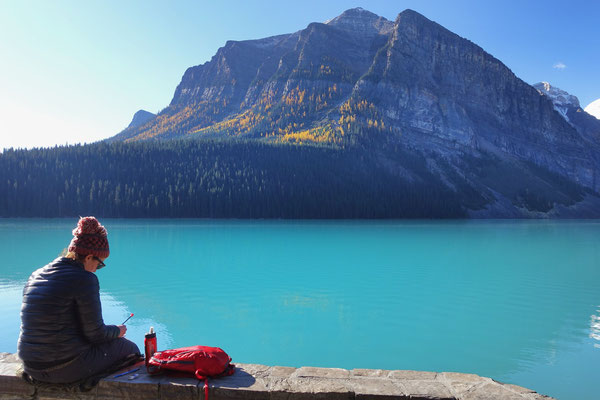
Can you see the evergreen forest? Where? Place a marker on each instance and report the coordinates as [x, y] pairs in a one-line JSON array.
[[204, 178]]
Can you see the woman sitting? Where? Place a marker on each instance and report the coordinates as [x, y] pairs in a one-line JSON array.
[[63, 337]]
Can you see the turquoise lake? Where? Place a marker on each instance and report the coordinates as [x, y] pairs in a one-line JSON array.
[[518, 301]]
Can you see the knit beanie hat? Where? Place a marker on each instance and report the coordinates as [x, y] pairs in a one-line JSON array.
[[89, 237]]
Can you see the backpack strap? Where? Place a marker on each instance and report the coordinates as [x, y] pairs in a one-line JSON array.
[[199, 375], [205, 388], [228, 371]]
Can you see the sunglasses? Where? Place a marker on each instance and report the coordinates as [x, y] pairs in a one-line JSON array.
[[100, 263]]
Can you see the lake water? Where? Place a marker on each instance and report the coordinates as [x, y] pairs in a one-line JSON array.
[[518, 301]]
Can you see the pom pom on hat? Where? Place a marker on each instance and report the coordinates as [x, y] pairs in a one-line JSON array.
[[89, 237], [89, 226]]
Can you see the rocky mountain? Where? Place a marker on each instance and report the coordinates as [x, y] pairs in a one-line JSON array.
[[563, 101], [568, 106], [140, 118], [362, 80]]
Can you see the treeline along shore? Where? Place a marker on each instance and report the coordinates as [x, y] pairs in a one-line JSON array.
[[223, 179]]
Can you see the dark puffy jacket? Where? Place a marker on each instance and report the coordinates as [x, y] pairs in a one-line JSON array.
[[61, 315]]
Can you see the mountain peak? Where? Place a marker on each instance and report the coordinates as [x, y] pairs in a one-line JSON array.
[[352, 13], [357, 12], [411, 16], [586, 123], [559, 97], [562, 101], [361, 21], [140, 118], [409, 12]]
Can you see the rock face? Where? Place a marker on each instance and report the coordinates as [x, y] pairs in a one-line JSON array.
[[359, 79], [447, 94], [562, 100], [140, 118], [568, 106], [361, 23]]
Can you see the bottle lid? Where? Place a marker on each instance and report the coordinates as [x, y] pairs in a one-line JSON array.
[[151, 333]]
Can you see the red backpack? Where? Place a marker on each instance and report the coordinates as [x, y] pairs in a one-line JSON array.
[[201, 361]]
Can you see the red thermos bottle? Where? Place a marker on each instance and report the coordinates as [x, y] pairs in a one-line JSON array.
[[150, 344]]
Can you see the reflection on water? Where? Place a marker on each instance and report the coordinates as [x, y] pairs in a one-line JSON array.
[[506, 299], [115, 312], [595, 328], [10, 321]]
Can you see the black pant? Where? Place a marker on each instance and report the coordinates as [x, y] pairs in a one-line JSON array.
[[96, 360]]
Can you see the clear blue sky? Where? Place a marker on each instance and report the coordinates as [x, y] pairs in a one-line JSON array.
[[77, 71]]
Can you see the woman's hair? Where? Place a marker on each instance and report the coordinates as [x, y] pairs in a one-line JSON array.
[[72, 255]]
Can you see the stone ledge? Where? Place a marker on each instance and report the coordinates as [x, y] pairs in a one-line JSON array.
[[260, 382]]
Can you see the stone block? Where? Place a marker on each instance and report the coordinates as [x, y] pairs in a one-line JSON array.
[[322, 372], [281, 372], [143, 387], [174, 391], [255, 369], [491, 391], [4, 396], [374, 373], [15, 386], [412, 375], [9, 369], [54, 394], [240, 385], [518, 389], [311, 388], [178, 388], [380, 389], [427, 389], [237, 394], [460, 377], [9, 358], [458, 389], [459, 383], [10, 365], [138, 370], [537, 396]]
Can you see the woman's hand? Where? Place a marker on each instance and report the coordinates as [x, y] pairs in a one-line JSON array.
[[122, 330]]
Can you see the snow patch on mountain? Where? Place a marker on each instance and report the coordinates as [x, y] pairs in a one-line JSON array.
[[562, 100], [593, 108]]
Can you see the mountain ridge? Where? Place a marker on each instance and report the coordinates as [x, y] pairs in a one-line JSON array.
[[361, 22], [140, 118], [568, 106], [362, 80]]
